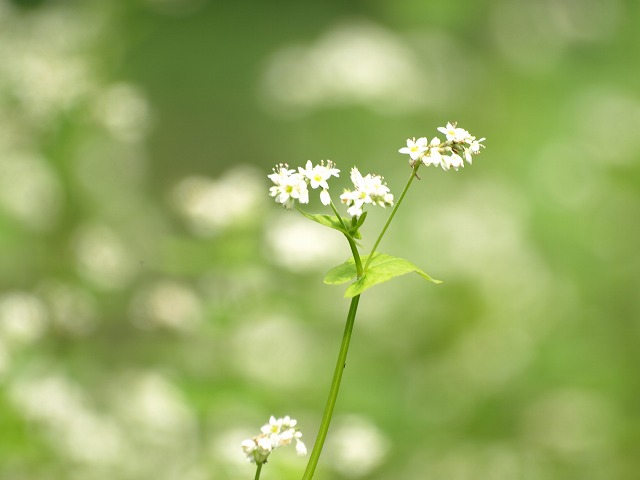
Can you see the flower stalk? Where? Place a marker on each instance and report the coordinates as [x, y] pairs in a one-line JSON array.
[[258, 470], [333, 391], [414, 174]]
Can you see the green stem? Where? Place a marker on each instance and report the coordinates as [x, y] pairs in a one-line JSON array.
[[333, 392], [335, 210], [352, 243], [258, 468], [414, 172]]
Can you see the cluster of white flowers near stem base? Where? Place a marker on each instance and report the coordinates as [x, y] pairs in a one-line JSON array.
[[291, 186], [367, 190], [459, 146], [277, 433]]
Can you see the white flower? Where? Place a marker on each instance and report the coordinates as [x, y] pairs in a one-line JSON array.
[[449, 130], [301, 448], [319, 174], [280, 172], [454, 161], [277, 433], [257, 449], [434, 157], [273, 426], [453, 133], [461, 135], [325, 198], [289, 186], [248, 446], [474, 145], [355, 200], [459, 147], [368, 190], [415, 148]]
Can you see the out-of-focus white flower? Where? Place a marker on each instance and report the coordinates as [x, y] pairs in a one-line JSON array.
[[415, 148], [368, 190], [356, 447], [208, 206], [23, 318], [278, 432]]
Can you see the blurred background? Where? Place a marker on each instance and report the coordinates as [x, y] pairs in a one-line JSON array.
[[156, 306]]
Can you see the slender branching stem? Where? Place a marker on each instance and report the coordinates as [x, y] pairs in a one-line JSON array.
[[348, 329], [333, 392], [414, 174]]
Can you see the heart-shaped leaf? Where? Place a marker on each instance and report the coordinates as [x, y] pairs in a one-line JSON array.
[[381, 269]]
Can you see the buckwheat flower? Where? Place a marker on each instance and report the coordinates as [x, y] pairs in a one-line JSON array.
[[354, 200], [325, 198], [277, 433], [468, 155], [319, 174], [461, 135], [289, 186], [449, 130], [368, 190], [474, 145], [378, 192], [453, 133], [433, 156], [301, 448], [257, 449], [415, 148], [459, 146], [280, 172], [454, 161], [273, 427]]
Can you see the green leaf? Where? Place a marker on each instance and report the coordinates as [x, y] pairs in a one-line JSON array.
[[381, 269], [360, 221], [342, 273], [332, 221]]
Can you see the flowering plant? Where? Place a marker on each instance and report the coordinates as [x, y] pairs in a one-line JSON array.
[[291, 186]]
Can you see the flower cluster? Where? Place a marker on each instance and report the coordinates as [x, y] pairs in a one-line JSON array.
[[459, 143], [290, 185], [277, 433], [368, 190]]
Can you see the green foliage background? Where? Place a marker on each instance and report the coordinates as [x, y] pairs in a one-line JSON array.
[[156, 306]]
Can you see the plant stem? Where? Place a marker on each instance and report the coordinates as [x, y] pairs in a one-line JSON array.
[[346, 337], [352, 243], [258, 468], [414, 172], [333, 392]]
